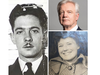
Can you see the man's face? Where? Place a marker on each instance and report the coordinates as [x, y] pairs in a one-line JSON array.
[[68, 15], [27, 36], [67, 48]]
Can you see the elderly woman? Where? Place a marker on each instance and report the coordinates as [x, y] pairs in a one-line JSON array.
[[67, 63]]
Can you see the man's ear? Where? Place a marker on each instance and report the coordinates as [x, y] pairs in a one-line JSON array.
[[45, 38], [77, 16], [12, 37]]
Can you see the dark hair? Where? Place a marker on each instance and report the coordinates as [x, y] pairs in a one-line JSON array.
[[28, 9]]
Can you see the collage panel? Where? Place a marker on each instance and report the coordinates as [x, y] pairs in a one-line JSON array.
[[28, 29], [37, 47], [68, 53], [68, 15], [87, 41]]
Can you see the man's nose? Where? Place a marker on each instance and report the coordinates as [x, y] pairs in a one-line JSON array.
[[28, 37], [65, 14]]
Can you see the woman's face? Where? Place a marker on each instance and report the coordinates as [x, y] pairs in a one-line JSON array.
[[67, 48]]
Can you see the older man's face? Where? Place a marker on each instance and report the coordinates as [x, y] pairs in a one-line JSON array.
[[68, 15], [67, 48], [28, 36]]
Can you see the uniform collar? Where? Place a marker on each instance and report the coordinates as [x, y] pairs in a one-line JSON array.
[[35, 64]]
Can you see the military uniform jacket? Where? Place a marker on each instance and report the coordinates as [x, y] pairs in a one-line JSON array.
[[42, 70]]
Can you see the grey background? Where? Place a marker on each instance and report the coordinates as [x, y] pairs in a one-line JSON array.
[[54, 23]]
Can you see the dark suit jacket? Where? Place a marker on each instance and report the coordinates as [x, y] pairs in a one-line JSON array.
[[79, 28], [15, 68]]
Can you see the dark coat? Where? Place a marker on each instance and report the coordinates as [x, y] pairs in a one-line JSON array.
[[15, 68]]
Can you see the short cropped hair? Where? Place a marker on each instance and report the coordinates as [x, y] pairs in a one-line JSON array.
[[67, 1], [28, 9]]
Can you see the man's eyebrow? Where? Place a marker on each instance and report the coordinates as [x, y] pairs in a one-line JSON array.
[[18, 29], [35, 27], [70, 10]]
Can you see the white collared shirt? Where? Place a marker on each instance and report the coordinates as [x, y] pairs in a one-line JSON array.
[[75, 28], [35, 64]]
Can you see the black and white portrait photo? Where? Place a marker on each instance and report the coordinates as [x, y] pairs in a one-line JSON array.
[[29, 35], [68, 53]]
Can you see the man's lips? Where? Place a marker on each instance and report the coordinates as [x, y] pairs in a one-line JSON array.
[[28, 45], [65, 19]]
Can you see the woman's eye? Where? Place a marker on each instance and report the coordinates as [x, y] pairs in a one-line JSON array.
[[69, 43], [60, 45]]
